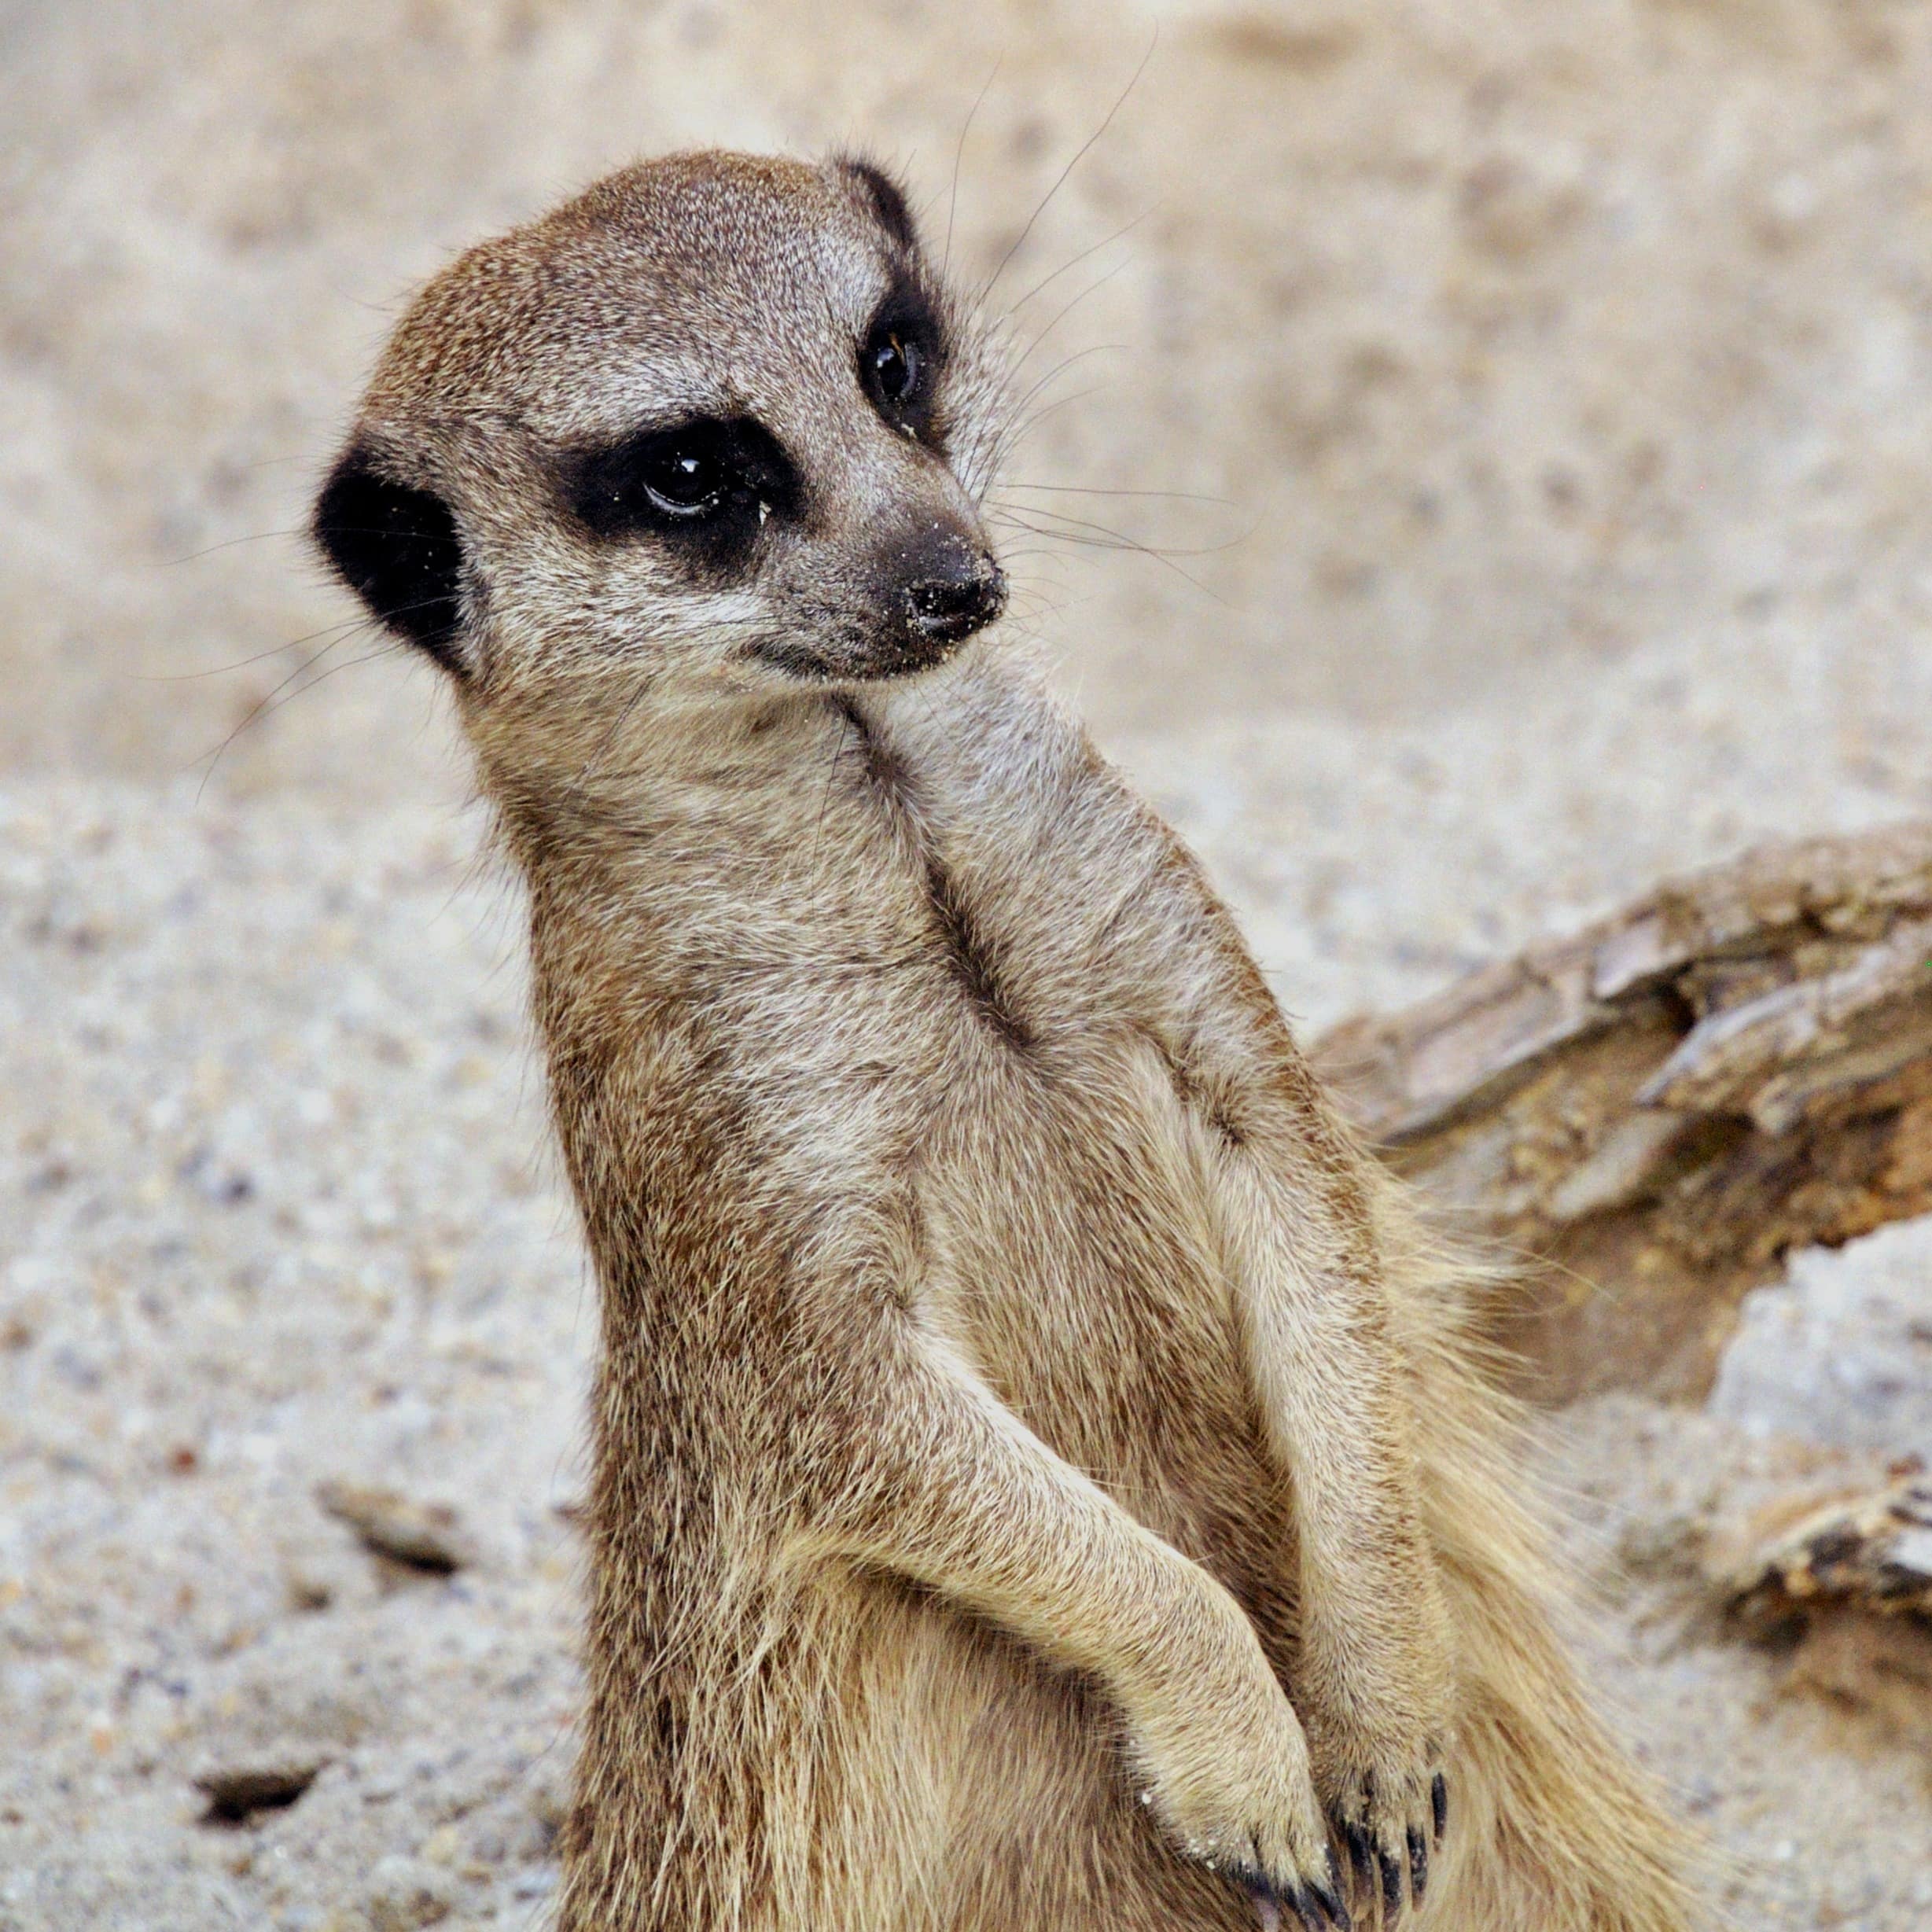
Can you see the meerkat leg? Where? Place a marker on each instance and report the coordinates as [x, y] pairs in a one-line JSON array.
[[948, 1488], [1373, 1681]]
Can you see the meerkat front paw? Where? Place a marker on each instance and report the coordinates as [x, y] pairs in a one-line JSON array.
[[1384, 1784], [1377, 1697], [1223, 1767], [1390, 1821]]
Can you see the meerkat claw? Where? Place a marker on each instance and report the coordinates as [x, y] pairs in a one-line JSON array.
[[1311, 1906], [1356, 1841], [1391, 1887], [1333, 1908], [1333, 1897]]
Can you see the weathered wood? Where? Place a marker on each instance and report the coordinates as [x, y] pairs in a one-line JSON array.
[[1871, 1551], [1653, 1112]]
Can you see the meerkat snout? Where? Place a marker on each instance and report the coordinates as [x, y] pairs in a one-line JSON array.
[[717, 425], [954, 593], [957, 599]]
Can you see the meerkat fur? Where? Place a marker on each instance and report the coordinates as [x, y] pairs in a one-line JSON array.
[[1041, 1478]]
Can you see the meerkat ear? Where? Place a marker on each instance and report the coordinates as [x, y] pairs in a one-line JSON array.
[[884, 195], [397, 549]]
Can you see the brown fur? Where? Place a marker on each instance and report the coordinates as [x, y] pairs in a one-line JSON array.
[[1041, 1480]]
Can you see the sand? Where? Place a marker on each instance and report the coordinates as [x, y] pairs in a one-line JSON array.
[[1567, 377]]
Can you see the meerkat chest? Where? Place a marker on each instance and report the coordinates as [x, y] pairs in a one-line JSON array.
[[999, 1055], [929, 971], [925, 1011], [983, 823]]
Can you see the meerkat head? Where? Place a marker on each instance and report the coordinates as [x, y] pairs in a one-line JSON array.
[[715, 424]]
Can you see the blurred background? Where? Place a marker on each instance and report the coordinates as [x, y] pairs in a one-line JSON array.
[[1487, 444]]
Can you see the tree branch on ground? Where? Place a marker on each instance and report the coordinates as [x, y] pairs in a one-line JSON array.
[[1652, 1114]]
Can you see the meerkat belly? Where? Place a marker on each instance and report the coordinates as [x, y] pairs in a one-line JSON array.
[[1084, 1276]]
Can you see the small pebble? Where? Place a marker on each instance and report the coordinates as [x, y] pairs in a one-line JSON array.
[[423, 1535], [236, 1786]]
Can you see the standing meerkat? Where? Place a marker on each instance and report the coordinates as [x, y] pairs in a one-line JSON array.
[[1040, 1478]]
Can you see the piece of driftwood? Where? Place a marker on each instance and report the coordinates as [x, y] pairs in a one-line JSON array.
[[1839, 1589], [1650, 1114], [1871, 1551]]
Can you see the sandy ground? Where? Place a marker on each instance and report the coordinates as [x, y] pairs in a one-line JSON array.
[[1566, 375]]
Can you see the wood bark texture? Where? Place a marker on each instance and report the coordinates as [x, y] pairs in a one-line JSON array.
[[1871, 1551], [1648, 1115]]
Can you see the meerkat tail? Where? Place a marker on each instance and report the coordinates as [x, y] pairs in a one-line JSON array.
[[1558, 1830]]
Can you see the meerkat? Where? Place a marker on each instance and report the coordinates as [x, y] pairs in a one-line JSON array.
[[1040, 1476]]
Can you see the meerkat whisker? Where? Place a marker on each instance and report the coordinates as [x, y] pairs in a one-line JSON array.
[[1060, 180], [1121, 539], [1061, 314], [1086, 254], [267, 709], [958, 154], [1082, 489]]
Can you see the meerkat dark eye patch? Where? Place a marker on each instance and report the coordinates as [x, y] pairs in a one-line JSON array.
[[899, 360], [398, 550], [705, 487]]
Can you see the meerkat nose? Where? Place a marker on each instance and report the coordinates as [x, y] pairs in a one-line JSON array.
[[967, 592]]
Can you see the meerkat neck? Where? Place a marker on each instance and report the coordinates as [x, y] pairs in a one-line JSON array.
[[748, 833], [614, 779], [622, 781]]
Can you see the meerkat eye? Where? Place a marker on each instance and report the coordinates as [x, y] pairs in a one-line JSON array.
[[899, 359], [683, 480], [897, 367], [713, 480]]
